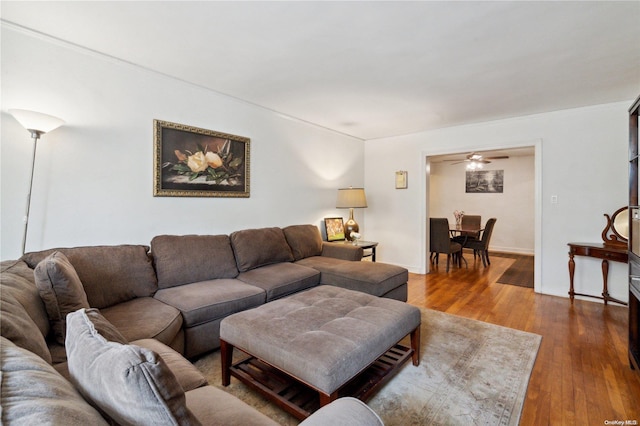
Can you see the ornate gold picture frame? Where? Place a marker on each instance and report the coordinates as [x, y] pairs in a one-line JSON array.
[[194, 162]]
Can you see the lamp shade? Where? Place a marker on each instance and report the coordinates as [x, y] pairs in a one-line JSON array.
[[36, 121], [351, 198]]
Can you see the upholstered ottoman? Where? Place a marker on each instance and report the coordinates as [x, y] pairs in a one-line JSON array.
[[324, 338]]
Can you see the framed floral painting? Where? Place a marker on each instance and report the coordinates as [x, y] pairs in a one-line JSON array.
[[194, 162]]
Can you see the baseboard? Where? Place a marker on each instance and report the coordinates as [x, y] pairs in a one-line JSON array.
[[512, 250]]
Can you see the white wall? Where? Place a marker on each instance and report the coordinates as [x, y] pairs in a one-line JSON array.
[[94, 176], [514, 207], [583, 161]]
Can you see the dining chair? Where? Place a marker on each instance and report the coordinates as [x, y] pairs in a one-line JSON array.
[[440, 242], [481, 246], [469, 221], [473, 222]]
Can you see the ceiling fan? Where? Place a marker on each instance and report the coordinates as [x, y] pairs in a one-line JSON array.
[[475, 160]]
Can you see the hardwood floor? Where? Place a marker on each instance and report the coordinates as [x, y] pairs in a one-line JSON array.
[[581, 375]]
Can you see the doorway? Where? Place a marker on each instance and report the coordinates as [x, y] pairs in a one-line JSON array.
[[444, 158]]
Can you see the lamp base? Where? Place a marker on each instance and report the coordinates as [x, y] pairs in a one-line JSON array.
[[350, 226]]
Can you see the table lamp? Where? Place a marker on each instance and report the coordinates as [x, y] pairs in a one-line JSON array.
[[351, 198]]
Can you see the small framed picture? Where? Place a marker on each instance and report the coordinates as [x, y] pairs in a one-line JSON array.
[[335, 228], [401, 179]]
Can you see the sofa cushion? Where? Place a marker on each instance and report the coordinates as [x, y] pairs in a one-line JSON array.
[[342, 250], [213, 406], [145, 318], [103, 327], [304, 240], [23, 318], [191, 258], [109, 274], [209, 300], [186, 373], [136, 386], [368, 277], [259, 247], [281, 279], [34, 393], [60, 289]]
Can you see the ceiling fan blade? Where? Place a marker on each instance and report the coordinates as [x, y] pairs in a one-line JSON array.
[[498, 157]]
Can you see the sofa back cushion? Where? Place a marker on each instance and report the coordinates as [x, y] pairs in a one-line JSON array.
[[109, 274], [304, 240], [23, 318], [259, 247], [184, 259], [127, 376], [61, 290], [34, 393]]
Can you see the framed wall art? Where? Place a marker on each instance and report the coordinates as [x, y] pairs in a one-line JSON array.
[[485, 181], [194, 162], [401, 179], [335, 228]]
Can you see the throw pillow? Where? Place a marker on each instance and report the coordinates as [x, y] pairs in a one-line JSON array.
[[130, 384], [60, 289]]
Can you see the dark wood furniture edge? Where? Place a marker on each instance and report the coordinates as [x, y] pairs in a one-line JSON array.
[[598, 251]]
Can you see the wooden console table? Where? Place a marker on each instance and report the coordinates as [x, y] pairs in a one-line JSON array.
[[599, 251]]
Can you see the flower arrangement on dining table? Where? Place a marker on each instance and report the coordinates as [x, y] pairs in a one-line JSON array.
[[458, 215]]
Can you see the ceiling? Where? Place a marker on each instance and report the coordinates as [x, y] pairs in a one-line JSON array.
[[369, 69]]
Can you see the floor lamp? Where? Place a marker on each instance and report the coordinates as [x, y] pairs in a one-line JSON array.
[[37, 124]]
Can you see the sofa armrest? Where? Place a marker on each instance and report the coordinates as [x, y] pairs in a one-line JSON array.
[[342, 251], [344, 411]]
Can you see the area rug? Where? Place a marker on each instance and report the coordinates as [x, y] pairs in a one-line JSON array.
[[520, 273], [470, 372]]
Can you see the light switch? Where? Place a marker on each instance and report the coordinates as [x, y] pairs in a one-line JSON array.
[[554, 199]]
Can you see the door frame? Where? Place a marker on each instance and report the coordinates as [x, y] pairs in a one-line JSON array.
[[537, 145]]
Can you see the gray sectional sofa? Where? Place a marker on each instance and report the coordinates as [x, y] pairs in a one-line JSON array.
[[168, 298]]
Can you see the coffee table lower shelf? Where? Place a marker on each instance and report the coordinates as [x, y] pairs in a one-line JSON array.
[[301, 400]]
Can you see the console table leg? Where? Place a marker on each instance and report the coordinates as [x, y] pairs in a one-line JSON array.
[[572, 269], [605, 274]]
